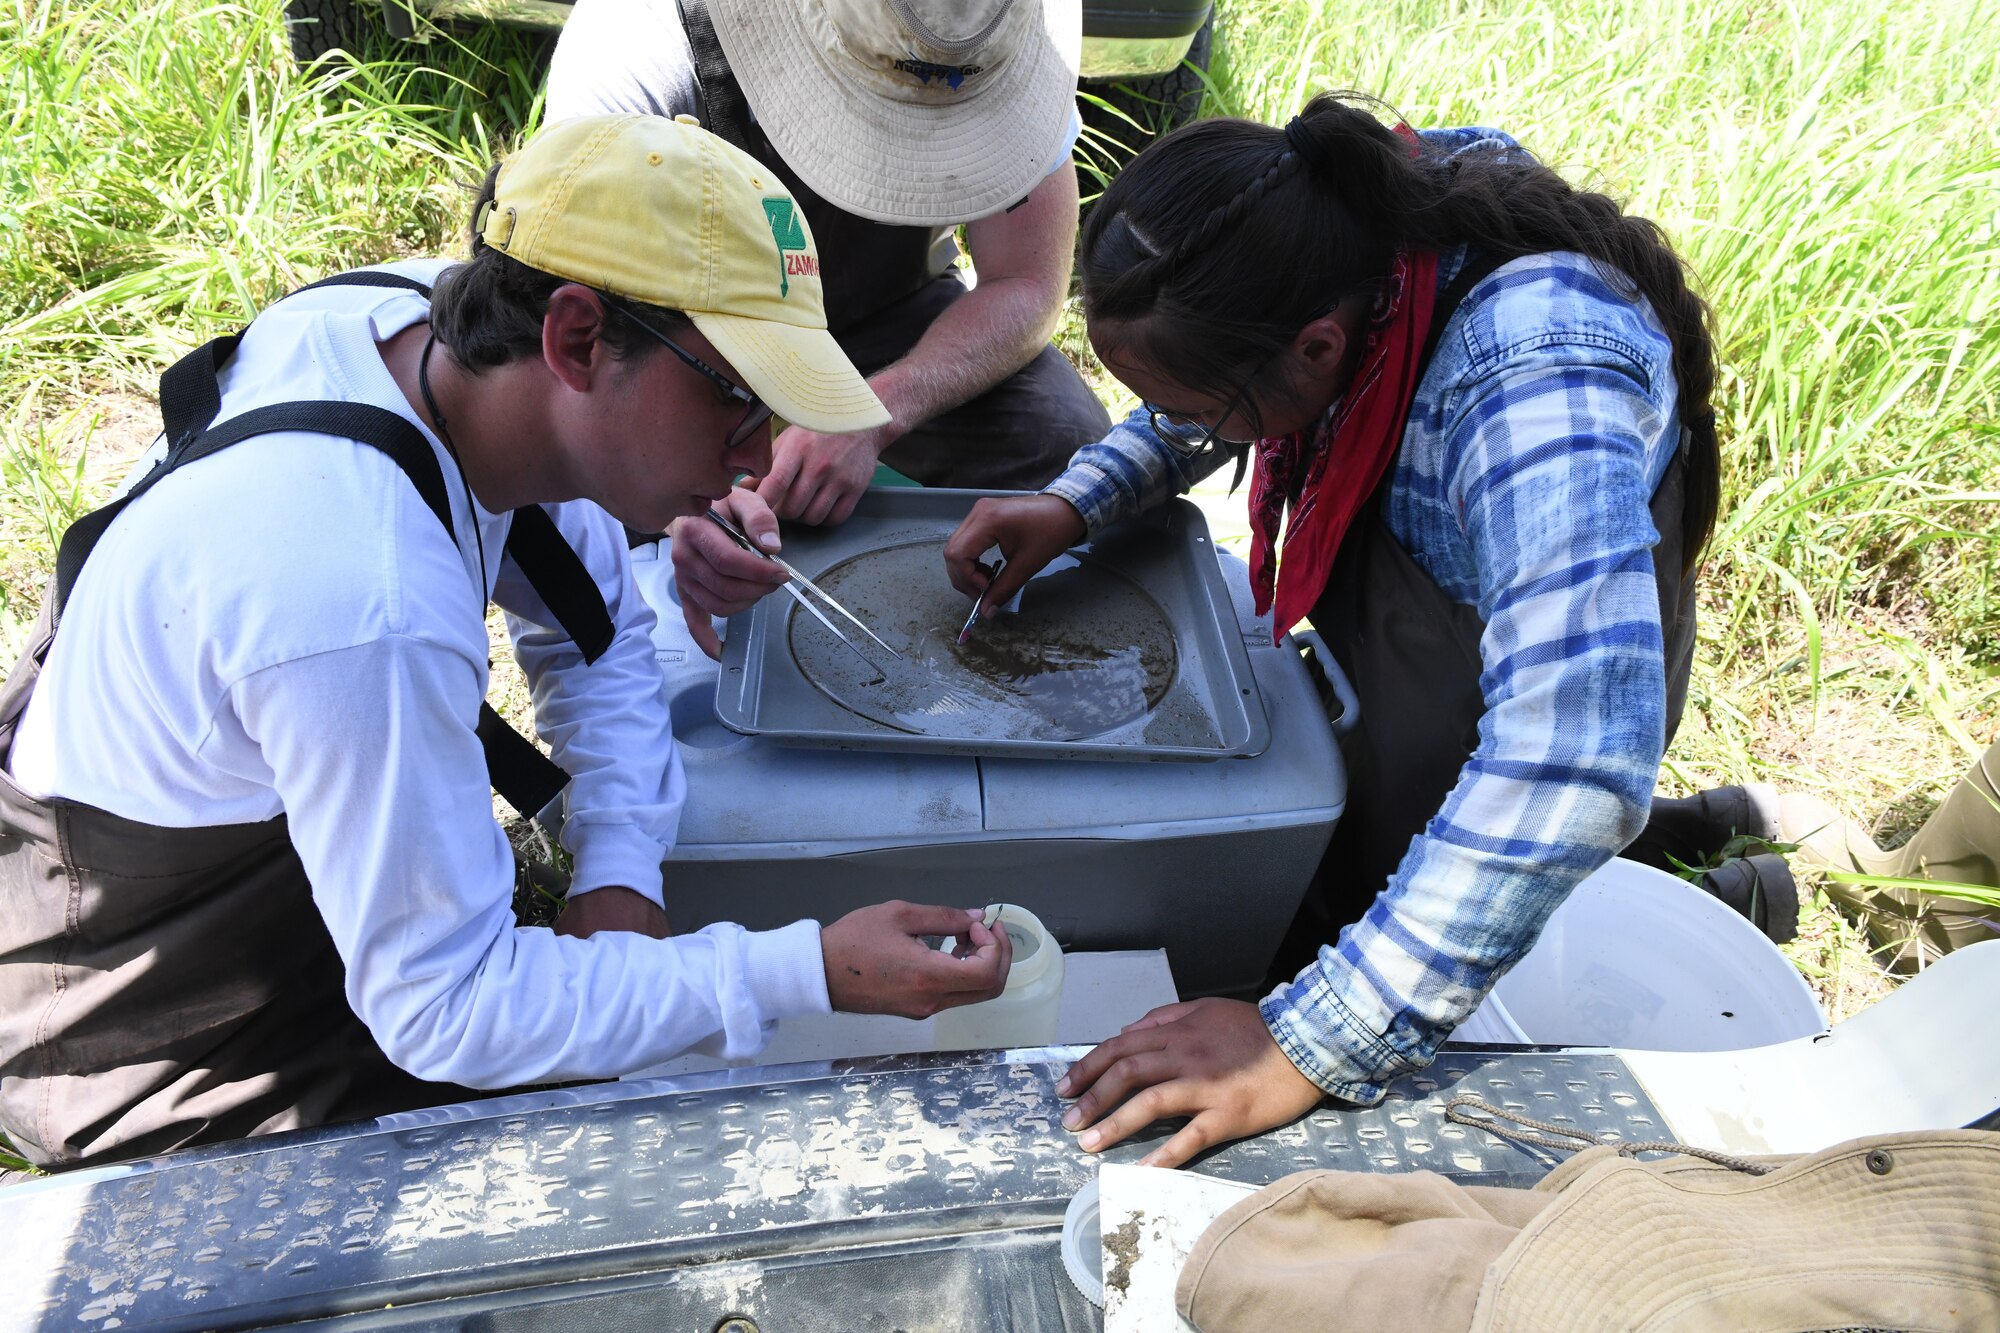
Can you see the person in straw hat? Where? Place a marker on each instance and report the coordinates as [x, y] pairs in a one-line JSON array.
[[891, 121], [253, 877]]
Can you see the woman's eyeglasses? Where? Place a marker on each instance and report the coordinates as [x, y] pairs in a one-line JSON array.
[[756, 414], [1174, 430]]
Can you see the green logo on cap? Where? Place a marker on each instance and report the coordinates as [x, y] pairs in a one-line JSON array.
[[790, 234]]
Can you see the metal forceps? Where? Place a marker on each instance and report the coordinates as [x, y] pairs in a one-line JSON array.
[[965, 630], [799, 586]]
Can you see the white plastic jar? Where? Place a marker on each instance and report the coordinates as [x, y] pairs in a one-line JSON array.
[[1025, 1013]]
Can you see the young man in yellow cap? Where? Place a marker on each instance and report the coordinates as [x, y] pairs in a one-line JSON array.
[[251, 875]]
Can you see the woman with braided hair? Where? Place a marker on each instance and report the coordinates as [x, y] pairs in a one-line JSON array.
[[1477, 400]]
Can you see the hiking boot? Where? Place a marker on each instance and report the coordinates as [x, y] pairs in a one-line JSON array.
[[1908, 925], [1760, 889], [1697, 830]]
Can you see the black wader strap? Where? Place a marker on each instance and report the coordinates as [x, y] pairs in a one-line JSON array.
[[515, 767], [723, 109], [363, 277], [189, 394], [190, 397], [557, 574], [362, 422]]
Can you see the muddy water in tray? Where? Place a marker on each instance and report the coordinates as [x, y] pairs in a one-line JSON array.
[[1089, 650]]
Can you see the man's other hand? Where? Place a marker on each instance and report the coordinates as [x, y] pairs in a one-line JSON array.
[[877, 962], [1210, 1059], [612, 908], [817, 478], [715, 576]]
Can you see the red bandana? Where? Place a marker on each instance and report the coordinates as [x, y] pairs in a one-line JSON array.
[[1360, 440]]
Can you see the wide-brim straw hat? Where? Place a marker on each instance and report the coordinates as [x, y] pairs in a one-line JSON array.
[[918, 112]]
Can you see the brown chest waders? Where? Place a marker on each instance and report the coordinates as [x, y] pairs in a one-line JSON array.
[[161, 987]]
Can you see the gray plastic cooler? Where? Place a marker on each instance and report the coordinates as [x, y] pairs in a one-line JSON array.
[[1207, 860]]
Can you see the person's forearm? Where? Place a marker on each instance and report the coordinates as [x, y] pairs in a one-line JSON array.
[[1574, 685], [607, 727], [1128, 472], [980, 339], [1456, 914], [1538, 806], [1022, 257], [384, 785], [605, 721]]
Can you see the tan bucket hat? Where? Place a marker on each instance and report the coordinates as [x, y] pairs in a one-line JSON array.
[[910, 111], [662, 211]]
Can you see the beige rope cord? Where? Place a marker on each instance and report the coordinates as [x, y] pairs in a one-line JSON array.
[[1562, 1138]]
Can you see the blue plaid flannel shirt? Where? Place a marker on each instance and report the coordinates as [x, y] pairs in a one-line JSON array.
[[1537, 437]]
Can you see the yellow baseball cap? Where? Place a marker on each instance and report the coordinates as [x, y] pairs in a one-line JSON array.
[[663, 212]]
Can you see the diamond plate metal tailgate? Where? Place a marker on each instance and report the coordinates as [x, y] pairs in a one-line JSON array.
[[918, 1192]]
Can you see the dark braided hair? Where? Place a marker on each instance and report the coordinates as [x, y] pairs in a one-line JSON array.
[[488, 311], [1221, 241]]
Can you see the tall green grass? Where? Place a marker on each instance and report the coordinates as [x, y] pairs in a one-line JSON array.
[[182, 173], [1832, 173], [166, 171]]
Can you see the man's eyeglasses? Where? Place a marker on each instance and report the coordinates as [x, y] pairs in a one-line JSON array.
[[756, 414]]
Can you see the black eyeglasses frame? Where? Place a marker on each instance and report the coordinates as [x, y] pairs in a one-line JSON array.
[[756, 412], [1170, 435]]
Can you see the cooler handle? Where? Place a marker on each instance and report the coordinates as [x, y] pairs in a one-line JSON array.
[[1336, 680]]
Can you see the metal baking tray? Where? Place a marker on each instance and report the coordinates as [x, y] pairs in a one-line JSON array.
[[1202, 704]]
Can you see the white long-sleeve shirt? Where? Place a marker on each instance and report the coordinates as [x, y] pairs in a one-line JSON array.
[[286, 628]]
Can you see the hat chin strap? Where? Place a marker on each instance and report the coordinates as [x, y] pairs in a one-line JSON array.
[[950, 46]]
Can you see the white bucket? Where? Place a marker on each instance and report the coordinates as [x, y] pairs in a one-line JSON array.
[[1639, 959]]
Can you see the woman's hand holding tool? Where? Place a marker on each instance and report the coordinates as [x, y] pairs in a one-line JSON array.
[[1030, 531]]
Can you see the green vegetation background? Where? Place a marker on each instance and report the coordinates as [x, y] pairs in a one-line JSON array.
[[1831, 170]]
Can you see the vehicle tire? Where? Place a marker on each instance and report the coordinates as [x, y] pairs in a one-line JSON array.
[[318, 27], [1159, 103]]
